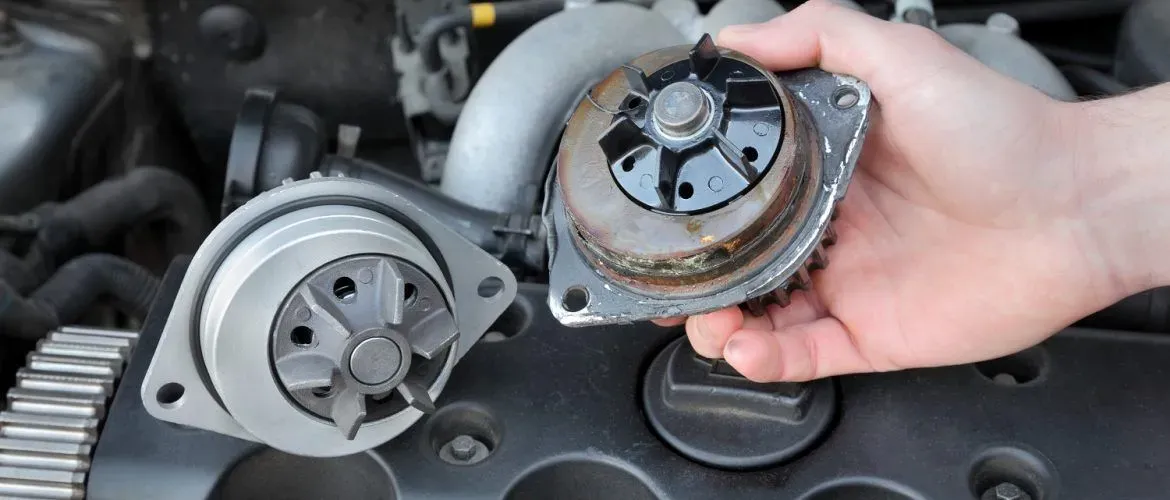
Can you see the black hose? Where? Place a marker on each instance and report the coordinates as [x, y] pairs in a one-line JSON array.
[[72, 290], [434, 28], [1148, 311], [1088, 81], [16, 273], [511, 238], [1064, 55], [93, 218], [1032, 10]]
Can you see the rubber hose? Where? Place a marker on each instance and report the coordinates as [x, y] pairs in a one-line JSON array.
[[14, 272], [1032, 10], [72, 290], [1088, 81], [108, 209]]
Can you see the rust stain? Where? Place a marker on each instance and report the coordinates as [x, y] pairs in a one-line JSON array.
[[706, 239], [694, 226]]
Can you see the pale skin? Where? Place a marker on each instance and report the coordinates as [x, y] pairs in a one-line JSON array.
[[983, 218]]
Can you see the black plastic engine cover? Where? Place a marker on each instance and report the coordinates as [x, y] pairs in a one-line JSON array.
[[1084, 416]]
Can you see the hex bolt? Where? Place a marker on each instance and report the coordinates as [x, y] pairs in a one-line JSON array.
[[681, 109], [1006, 491], [463, 447]]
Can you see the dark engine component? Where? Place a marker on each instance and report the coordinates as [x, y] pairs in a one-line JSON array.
[[322, 318], [208, 53], [95, 217], [72, 290], [711, 414], [1142, 54], [54, 72], [733, 170], [560, 416]]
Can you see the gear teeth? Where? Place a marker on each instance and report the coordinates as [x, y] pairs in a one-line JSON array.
[[781, 297], [800, 281], [830, 236], [757, 306], [818, 260]]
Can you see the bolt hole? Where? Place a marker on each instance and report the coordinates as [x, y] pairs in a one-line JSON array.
[[490, 287], [1027, 470], [323, 392], [750, 153], [845, 97], [1017, 369], [169, 394], [628, 164], [634, 102], [301, 336], [344, 289], [575, 299], [409, 294], [463, 419], [686, 190]]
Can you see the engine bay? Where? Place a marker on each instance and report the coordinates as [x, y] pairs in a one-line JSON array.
[[412, 249]]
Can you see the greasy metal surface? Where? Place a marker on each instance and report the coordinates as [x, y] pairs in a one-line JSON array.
[[829, 148], [685, 250]]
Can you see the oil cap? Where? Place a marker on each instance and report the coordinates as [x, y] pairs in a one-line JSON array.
[[711, 414]]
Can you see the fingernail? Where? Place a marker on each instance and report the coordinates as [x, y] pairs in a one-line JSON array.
[[733, 349]]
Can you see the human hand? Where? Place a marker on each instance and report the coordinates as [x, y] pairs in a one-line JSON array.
[[963, 236]]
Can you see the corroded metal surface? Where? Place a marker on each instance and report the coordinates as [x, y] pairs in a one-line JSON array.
[[660, 252], [614, 260]]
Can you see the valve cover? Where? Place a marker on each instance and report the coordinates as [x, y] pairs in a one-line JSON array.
[[692, 179]]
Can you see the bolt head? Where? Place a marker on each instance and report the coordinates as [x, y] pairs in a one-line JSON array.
[[375, 361], [681, 109], [463, 447], [1009, 491]]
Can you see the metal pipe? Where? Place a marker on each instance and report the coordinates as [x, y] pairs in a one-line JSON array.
[[505, 137], [515, 240]]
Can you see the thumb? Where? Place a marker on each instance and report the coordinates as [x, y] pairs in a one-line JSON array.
[[822, 348]]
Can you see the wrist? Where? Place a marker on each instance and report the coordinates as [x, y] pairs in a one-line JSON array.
[[1120, 159]]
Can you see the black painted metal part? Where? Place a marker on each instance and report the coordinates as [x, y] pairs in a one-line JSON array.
[[559, 410]]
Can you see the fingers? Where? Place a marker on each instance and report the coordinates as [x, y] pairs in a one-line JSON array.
[[668, 322], [807, 351], [708, 332], [803, 307], [835, 38]]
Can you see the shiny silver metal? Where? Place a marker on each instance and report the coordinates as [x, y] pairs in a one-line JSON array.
[[238, 283], [73, 366], [47, 433], [51, 382], [20, 488], [50, 426]]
